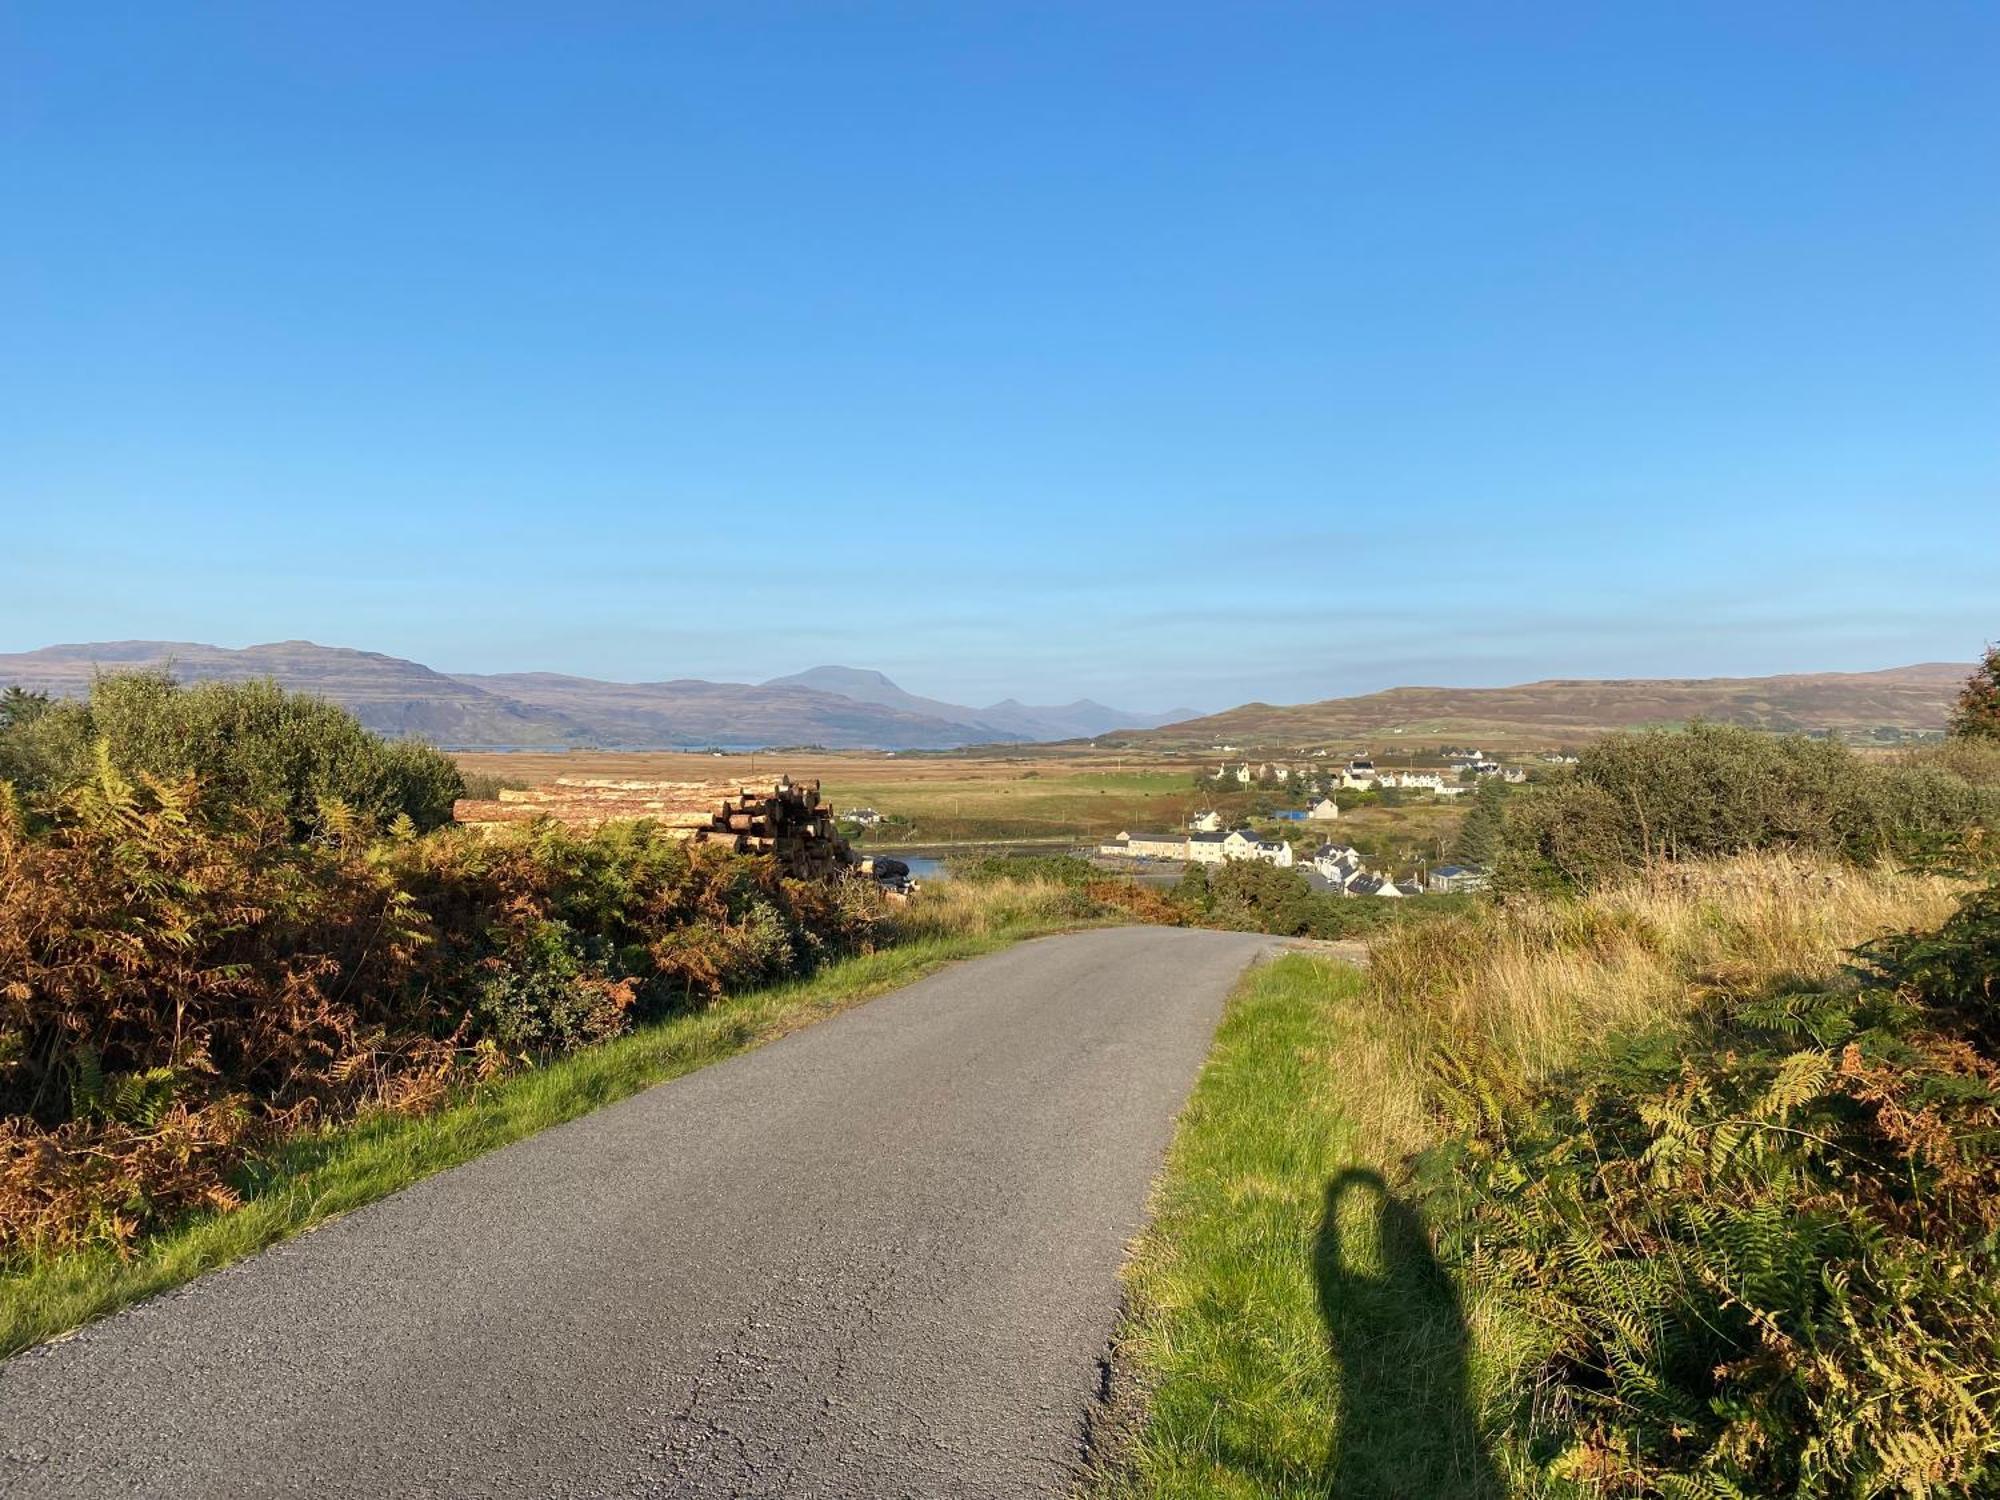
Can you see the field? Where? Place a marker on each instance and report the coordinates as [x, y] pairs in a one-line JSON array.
[[928, 799], [1053, 798]]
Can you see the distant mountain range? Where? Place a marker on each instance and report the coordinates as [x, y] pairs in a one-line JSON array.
[[848, 708], [1912, 699], [840, 707]]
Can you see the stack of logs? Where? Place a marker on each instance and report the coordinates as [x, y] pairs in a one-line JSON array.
[[785, 819]]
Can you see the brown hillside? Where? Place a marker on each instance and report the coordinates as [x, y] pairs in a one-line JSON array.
[[1910, 699]]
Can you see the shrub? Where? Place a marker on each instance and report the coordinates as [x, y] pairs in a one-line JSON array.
[[1758, 1249], [485, 786], [1712, 791], [251, 747], [178, 990]]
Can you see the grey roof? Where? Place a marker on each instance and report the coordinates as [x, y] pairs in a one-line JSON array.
[[1206, 838]]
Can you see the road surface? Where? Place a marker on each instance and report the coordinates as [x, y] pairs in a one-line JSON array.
[[876, 1258]]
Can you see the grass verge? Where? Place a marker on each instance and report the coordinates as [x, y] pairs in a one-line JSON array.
[[317, 1177], [1291, 1326], [1290, 1329]]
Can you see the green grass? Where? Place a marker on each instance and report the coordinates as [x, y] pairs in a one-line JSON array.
[[1052, 804], [317, 1177], [1289, 1325]]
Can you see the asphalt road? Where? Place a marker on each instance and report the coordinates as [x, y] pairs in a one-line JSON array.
[[876, 1258]]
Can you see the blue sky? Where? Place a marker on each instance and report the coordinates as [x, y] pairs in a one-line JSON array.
[[1166, 354]]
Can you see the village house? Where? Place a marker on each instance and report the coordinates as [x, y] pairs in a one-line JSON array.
[[1415, 781], [1208, 822], [1206, 848], [1323, 811], [1448, 879], [1380, 885], [1337, 863], [1238, 843], [1156, 845]]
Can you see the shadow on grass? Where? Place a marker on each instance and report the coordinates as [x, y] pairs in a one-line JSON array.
[[1406, 1425]]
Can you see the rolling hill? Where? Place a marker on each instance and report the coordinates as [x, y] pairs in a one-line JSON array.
[[388, 694], [547, 710], [1908, 699]]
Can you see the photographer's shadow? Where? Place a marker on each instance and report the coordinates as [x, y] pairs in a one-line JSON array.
[[1407, 1427]]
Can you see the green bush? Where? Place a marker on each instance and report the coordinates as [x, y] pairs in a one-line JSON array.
[[485, 786], [1251, 896], [1064, 869], [1714, 791], [251, 747]]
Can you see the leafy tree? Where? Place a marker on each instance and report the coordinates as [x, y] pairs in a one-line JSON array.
[[1191, 891], [1978, 712]]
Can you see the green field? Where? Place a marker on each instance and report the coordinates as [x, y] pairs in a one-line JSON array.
[[1029, 804]]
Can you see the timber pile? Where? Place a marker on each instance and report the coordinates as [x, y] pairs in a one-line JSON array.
[[784, 818]]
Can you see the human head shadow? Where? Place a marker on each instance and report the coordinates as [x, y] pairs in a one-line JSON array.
[[1399, 1339]]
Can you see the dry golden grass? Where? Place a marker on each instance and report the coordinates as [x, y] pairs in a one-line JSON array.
[[987, 908], [1532, 985]]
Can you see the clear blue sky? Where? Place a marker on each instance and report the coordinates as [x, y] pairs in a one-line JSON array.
[[1165, 353]]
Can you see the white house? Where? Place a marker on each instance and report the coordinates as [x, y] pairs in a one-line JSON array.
[[1323, 811], [867, 817], [1448, 878], [1243, 775], [1415, 781], [1157, 845], [1278, 853], [1208, 822], [1337, 863], [1353, 780], [1241, 843]]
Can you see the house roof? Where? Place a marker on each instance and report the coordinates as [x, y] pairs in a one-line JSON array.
[[1206, 838]]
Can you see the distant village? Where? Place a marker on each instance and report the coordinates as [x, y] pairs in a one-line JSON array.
[[1463, 769], [1332, 868]]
